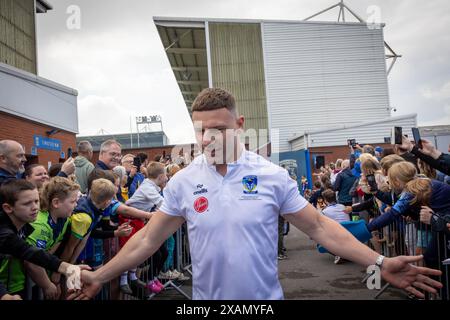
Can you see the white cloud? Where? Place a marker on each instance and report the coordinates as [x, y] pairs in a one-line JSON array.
[[97, 113], [115, 68], [439, 94], [443, 120]]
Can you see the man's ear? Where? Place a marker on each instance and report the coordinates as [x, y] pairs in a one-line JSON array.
[[240, 122], [7, 208]]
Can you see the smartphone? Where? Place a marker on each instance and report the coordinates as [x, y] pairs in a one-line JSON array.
[[351, 142], [137, 163], [397, 135], [372, 182], [69, 153], [416, 135]]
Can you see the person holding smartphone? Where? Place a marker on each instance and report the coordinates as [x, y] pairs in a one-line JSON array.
[[429, 154], [135, 178]]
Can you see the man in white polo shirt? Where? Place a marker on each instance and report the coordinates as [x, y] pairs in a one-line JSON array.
[[231, 202]]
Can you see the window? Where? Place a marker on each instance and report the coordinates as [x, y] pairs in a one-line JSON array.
[[320, 162]]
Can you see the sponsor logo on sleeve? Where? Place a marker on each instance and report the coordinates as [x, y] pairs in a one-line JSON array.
[[41, 244]]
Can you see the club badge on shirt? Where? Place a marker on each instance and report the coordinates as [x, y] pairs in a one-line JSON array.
[[250, 185], [201, 204]]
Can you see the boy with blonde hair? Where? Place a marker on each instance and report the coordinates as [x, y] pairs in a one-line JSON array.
[[88, 212]]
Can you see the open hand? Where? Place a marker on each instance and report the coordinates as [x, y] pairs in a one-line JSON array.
[[401, 273]]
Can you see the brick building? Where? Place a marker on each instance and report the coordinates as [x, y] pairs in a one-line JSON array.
[[24, 131], [38, 113]]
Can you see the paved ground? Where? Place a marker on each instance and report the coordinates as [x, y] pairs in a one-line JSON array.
[[307, 274]]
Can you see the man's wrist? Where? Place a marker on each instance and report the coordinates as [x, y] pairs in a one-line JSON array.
[[379, 261], [99, 276]]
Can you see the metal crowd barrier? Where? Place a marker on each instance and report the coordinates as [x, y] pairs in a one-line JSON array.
[[408, 237], [146, 271]]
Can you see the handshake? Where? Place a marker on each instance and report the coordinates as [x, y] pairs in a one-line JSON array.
[[81, 283]]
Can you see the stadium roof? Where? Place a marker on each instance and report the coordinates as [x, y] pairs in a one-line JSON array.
[[129, 140]]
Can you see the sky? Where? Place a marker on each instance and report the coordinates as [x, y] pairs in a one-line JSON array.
[[115, 60]]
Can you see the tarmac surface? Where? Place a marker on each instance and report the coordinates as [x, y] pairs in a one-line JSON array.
[[307, 274]]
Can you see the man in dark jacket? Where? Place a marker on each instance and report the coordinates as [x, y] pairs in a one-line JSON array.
[[110, 155], [343, 184], [12, 160]]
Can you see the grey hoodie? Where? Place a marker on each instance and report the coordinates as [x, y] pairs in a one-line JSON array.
[[83, 168]]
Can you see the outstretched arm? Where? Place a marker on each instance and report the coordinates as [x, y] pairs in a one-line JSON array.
[[126, 210], [140, 247], [332, 236]]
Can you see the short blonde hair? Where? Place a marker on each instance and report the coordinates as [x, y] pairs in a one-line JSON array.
[[369, 164], [345, 164], [401, 173], [154, 169], [102, 190], [128, 155], [388, 161], [171, 169], [56, 187], [421, 189]]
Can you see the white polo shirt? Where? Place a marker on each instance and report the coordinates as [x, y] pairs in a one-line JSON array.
[[233, 225], [336, 212]]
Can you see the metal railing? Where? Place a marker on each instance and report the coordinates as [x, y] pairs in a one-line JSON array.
[[406, 236]]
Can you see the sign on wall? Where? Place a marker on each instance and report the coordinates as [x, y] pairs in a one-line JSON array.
[[47, 143]]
